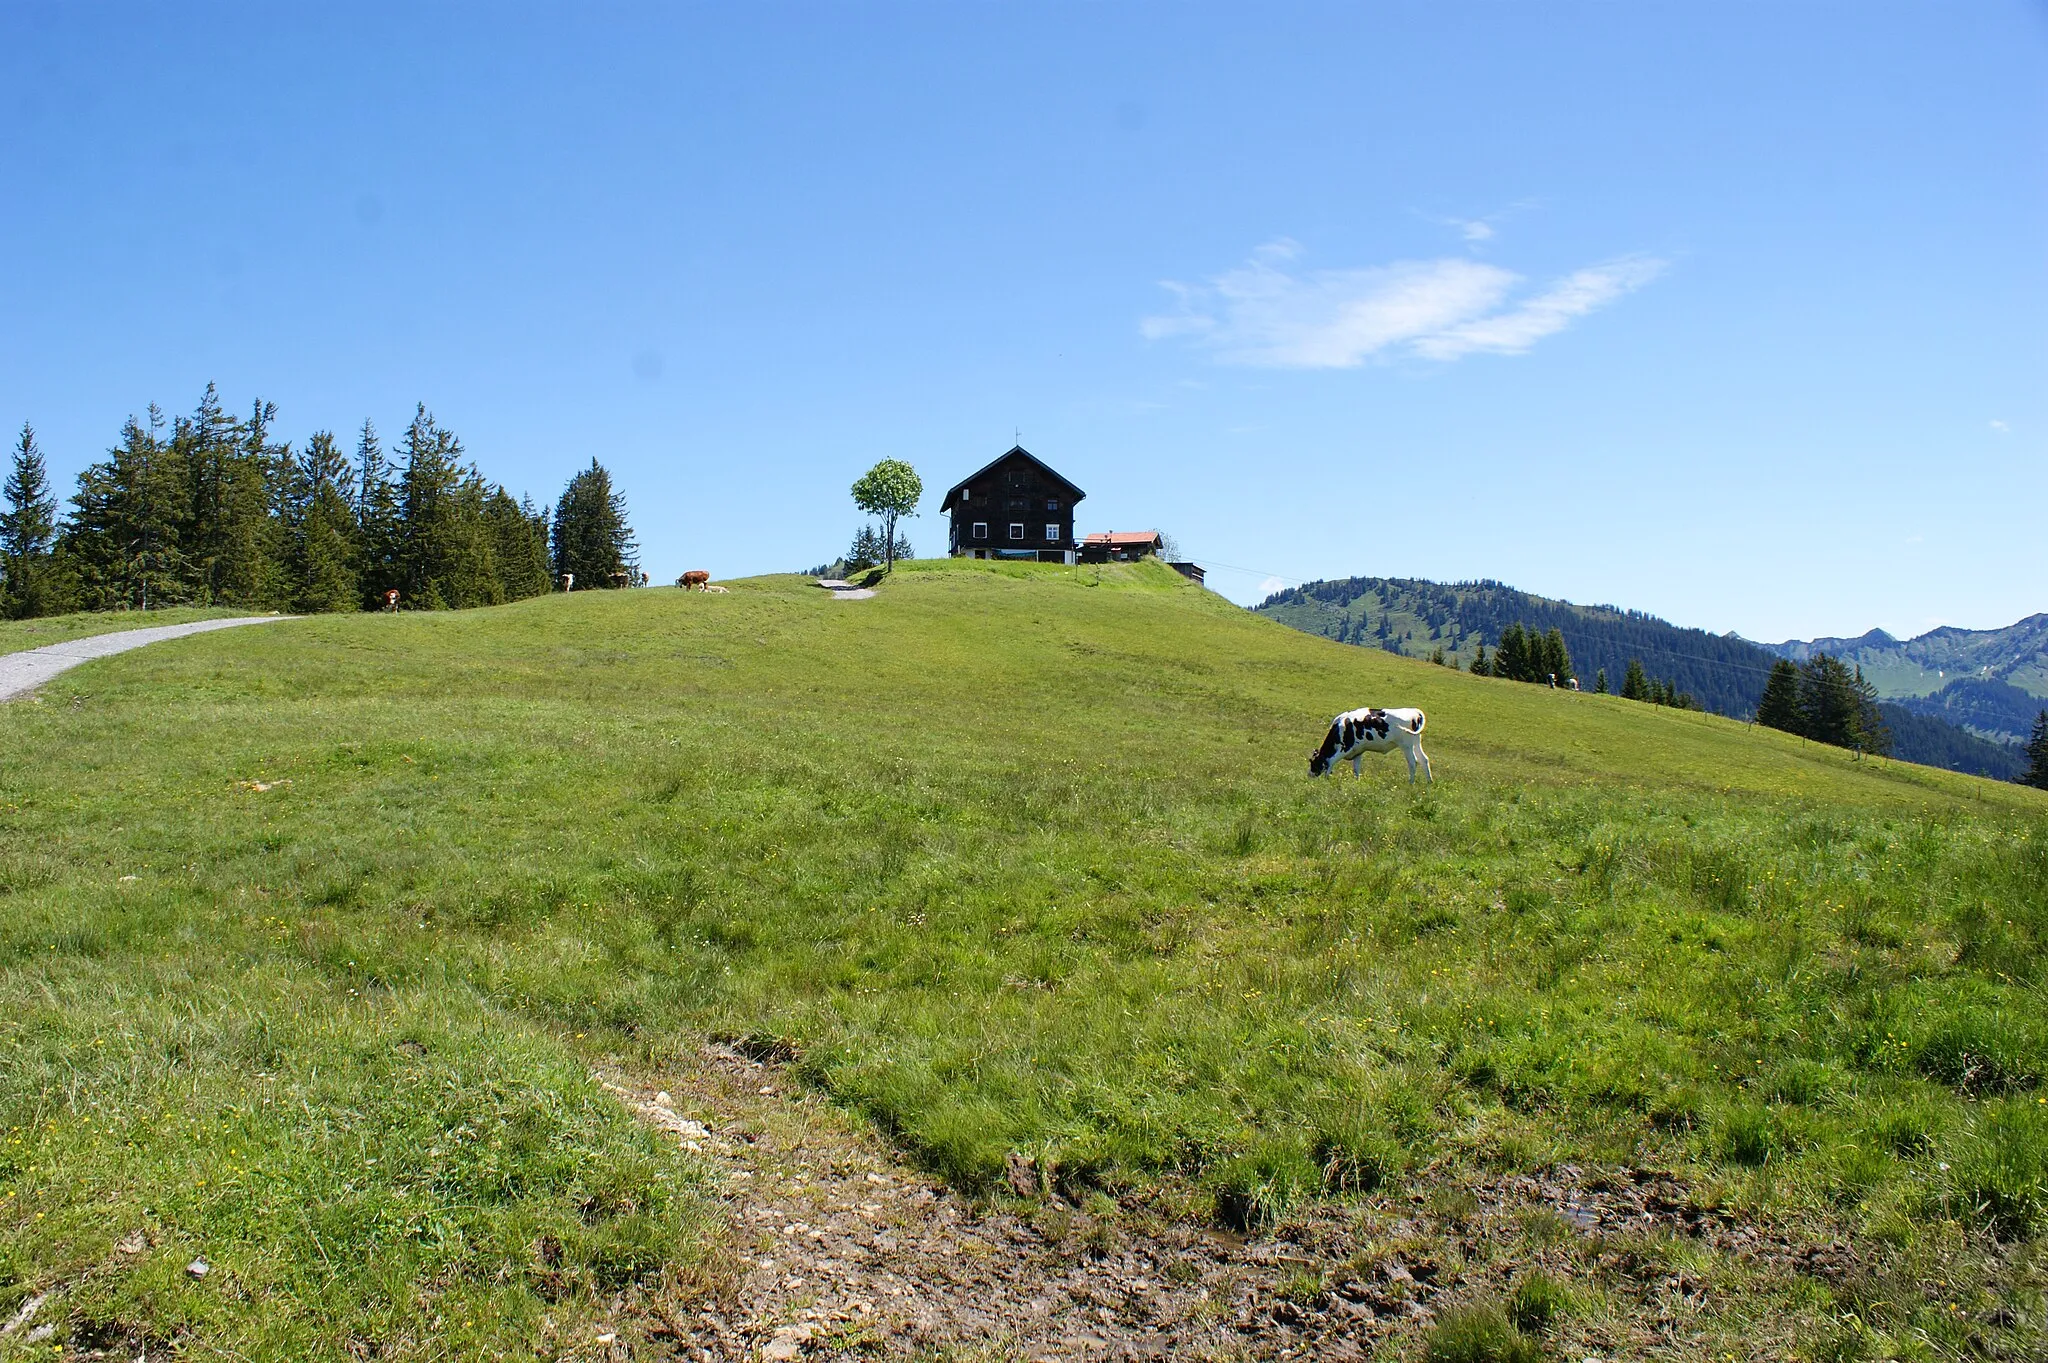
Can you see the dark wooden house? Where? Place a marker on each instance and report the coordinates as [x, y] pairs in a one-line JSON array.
[[1016, 507]]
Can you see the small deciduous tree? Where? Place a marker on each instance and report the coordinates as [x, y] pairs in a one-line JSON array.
[[888, 490]]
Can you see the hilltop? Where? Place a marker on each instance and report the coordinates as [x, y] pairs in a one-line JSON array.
[[354, 960]]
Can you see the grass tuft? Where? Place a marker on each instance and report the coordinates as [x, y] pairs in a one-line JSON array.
[[1479, 1334]]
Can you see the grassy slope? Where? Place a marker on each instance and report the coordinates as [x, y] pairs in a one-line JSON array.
[[1020, 858], [17, 635]]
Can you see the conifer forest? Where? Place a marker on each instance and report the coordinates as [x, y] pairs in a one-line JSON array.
[[213, 509]]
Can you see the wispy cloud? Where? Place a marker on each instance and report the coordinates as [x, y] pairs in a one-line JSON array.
[[2001, 427], [1271, 314]]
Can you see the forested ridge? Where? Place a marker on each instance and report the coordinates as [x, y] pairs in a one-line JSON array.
[[1722, 673], [216, 510], [1412, 617]]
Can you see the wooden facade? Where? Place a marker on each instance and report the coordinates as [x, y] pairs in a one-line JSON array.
[[1016, 507]]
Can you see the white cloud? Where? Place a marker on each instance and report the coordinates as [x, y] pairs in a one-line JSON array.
[[2001, 428], [1269, 315], [1271, 585], [1473, 229]]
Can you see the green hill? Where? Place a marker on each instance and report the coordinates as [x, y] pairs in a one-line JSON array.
[[1966, 728], [313, 935], [1414, 618]]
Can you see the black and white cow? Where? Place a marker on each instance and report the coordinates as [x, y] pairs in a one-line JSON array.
[[1358, 732]]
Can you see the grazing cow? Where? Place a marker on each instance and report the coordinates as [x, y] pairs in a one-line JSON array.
[[1358, 732], [694, 579], [568, 582], [391, 599], [714, 587]]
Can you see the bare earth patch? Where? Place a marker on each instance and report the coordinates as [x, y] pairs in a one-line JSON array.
[[841, 1250]]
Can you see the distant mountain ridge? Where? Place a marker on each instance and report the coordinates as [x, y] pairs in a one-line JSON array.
[[2016, 655], [1992, 682], [1724, 672]]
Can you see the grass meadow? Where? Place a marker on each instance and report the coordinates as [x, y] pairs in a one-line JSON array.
[[1012, 859]]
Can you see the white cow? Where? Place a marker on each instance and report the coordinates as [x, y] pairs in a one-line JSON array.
[[1358, 732]]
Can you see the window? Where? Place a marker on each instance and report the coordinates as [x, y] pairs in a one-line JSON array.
[[1052, 504], [1016, 531], [981, 530], [1017, 504], [965, 493], [1052, 531]]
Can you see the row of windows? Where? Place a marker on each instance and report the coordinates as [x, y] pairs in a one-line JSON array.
[[1015, 503], [1052, 530]]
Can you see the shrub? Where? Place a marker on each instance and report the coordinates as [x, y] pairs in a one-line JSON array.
[[1480, 1334]]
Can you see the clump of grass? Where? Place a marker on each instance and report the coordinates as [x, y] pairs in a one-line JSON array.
[[1255, 1191], [1979, 1051], [1355, 1155], [2000, 1170], [1799, 1081], [1480, 1334], [1750, 1134], [1537, 1301]]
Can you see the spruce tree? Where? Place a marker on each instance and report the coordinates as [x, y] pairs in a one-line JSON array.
[[30, 581], [444, 556], [1557, 659], [380, 523], [1872, 735], [1831, 710], [591, 536], [1511, 659], [326, 552], [1600, 682], [1480, 666], [519, 545], [125, 537], [2036, 774], [1779, 706], [1634, 685]]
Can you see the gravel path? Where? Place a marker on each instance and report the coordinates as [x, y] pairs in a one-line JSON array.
[[25, 671]]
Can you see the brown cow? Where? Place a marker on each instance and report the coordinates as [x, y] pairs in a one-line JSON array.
[[391, 599], [693, 579]]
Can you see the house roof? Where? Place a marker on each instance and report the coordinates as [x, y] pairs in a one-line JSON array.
[[1113, 538], [1075, 493]]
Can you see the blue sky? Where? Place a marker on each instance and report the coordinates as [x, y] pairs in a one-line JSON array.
[[1730, 313]]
